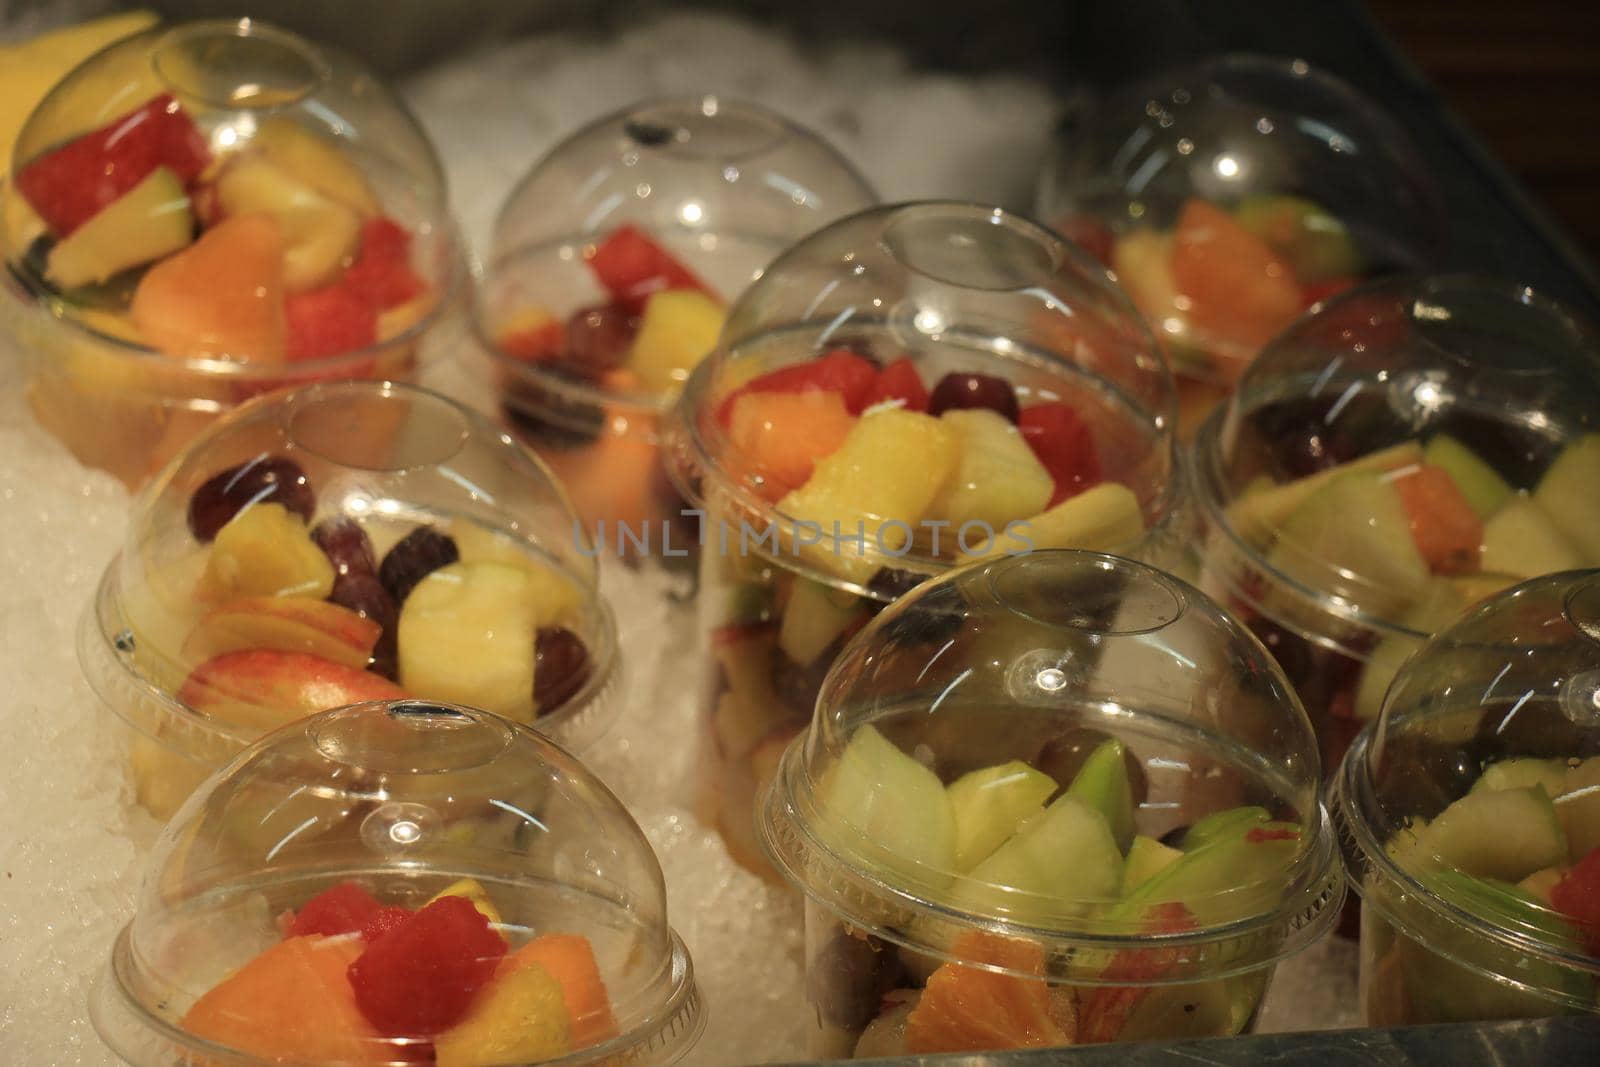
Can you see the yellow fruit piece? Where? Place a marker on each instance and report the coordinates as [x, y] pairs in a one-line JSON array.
[[317, 160], [1097, 520], [521, 1017], [678, 329], [395, 321], [473, 892], [997, 477], [525, 320], [320, 235], [149, 221], [1143, 264], [466, 636], [265, 550], [556, 597]]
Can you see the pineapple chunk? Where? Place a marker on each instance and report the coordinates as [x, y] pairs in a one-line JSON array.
[[889, 469], [997, 479], [319, 234], [556, 597], [316, 160], [1099, 519], [678, 329], [266, 551], [472, 891], [466, 636], [519, 1017], [1520, 539]]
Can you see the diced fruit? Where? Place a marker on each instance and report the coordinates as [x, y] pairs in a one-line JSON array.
[[1222, 825], [1142, 261], [885, 1035], [967, 1008], [997, 477], [1258, 515], [814, 618], [519, 1018], [1540, 883], [959, 391], [1315, 243], [750, 708], [896, 809], [990, 804], [420, 978], [1502, 903], [291, 1003], [1064, 444], [570, 959], [266, 551], [889, 469], [466, 636], [780, 436], [472, 891], [1577, 896], [1498, 833], [220, 297], [598, 339], [899, 381], [381, 274], [1103, 784], [262, 690], [319, 234], [533, 335], [1567, 495], [1089, 234], [1237, 287], [1520, 539], [1147, 857], [556, 597], [316, 160], [561, 667], [678, 329], [147, 222], [71, 184], [633, 267], [414, 557], [1104, 518], [266, 478], [1053, 866], [840, 371], [1483, 487], [1440, 605], [1579, 807], [1551, 774], [327, 322], [344, 909], [1108, 1009], [287, 624], [1444, 525], [1229, 878]]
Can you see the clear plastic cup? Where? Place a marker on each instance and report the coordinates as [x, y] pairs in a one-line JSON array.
[[1051, 799], [336, 544], [1470, 816], [914, 386], [1230, 195], [612, 265], [205, 212], [491, 903], [1403, 452]]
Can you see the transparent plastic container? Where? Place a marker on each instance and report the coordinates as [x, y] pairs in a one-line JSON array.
[[556, 948], [1470, 816], [612, 265], [1403, 452], [205, 212], [1230, 195], [341, 543], [1050, 799], [913, 386]]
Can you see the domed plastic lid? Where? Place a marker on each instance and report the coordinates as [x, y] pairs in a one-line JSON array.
[[1471, 809], [377, 879], [615, 258], [1067, 746], [925, 383], [341, 543], [1403, 452], [228, 192], [1231, 194]]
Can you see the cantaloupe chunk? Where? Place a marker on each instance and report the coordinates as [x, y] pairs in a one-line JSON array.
[[570, 958], [780, 436], [222, 297]]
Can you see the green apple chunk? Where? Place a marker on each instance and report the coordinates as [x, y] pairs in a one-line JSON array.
[[997, 478], [1550, 774], [149, 221], [1316, 244], [1056, 860], [1579, 808], [991, 803], [466, 636], [1483, 487], [1258, 513], [1143, 264], [1102, 783], [1441, 604], [1147, 857], [1520, 540], [1229, 877], [1569, 493], [814, 616], [883, 796], [1497, 833], [1101, 519], [1230, 822]]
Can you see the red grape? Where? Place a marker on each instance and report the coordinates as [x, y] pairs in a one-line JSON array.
[[959, 391], [598, 338], [561, 667], [346, 545], [267, 478], [414, 557]]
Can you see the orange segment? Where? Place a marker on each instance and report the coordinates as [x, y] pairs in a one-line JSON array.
[[1237, 287], [968, 1009], [571, 959]]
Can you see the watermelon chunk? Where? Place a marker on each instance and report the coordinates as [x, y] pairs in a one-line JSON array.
[[344, 909], [840, 371], [632, 266], [327, 322], [420, 977], [899, 381], [1577, 896], [1064, 444], [381, 274]]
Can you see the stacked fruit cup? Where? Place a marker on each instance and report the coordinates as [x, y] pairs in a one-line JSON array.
[[1403, 452], [1051, 799], [1470, 816], [342, 543], [400, 882], [1230, 196], [612, 266], [914, 386], [200, 214]]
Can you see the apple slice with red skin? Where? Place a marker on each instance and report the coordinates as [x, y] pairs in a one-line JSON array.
[[264, 689], [285, 624], [1104, 1010]]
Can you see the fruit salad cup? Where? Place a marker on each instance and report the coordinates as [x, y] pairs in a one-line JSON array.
[[1470, 816], [914, 386], [1403, 452], [612, 267], [400, 882], [200, 214], [336, 544], [1051, 799], [1232, 195]]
